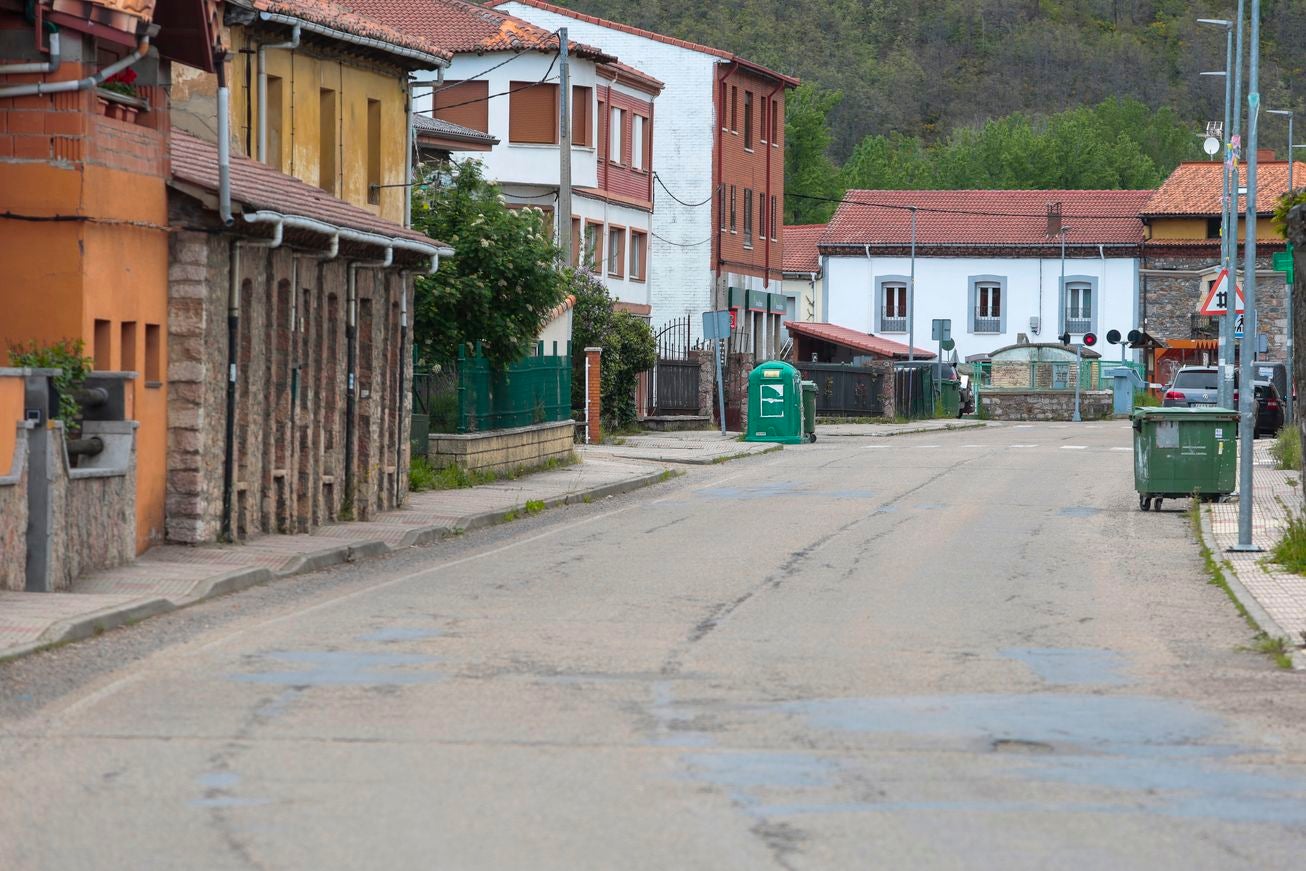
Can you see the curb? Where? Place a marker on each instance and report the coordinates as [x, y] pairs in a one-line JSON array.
[[1245, 598], [952, 427], [705, 461], [86, 625]]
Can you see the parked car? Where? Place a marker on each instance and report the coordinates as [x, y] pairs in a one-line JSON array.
[[1198, 387], [1276, 373]]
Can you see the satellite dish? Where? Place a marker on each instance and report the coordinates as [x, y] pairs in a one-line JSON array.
[[1113, 336], [1211, 146]]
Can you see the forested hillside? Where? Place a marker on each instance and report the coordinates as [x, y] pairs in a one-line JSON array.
[[915, 72]]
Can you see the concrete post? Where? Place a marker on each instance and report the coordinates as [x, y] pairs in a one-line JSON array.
[[593, 395]]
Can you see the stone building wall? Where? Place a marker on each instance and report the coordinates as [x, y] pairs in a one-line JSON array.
[[291, 390], [13, 513], [1044, 404], [94, 506]]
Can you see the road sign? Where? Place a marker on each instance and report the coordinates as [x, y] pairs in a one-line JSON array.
[[948, 344], [1282, 262], [717, 324], [1216, 302], [1238, 328], [941, 329]]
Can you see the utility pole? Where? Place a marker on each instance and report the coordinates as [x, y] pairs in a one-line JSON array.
[[563, 217], [1228, 217], [1247, 389], [1231, 295], [1287, 288], [911, 294]]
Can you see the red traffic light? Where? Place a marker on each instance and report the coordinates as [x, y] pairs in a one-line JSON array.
[[1090, 339]]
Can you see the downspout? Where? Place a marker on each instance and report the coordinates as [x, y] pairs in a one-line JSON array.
[[766, 261], [404, 357], [40, 67], [93, 81], [292, 44], [409, 174], [720, 176], [224, 141], [351, 373]]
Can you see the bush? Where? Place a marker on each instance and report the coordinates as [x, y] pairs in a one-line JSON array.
[[420, 475], [1286, 449], [1145, 399], [628, 349], [1290, 552], [66, 355]]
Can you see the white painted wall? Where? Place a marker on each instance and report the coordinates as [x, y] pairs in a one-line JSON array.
[[943, 291], [806, 290], [623, 288], [680, 268]]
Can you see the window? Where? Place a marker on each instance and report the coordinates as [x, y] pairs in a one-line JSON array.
[[575, 243], [327, 124], [465, 103], [733, 225], [533, 113], [893, 305], [638, 254], [581, 134], [748, 217], [721, 105], [127, 346], [775, 113], [748, 120], [102, 351], [775, 226], [1213, 228], [602, 116], [593, 247], [272, 111], [734, 109], [721, 207], [637, 135], [762, 128], [153, 356], [615, 128], [761, 216], [374, 152], [616, 251], [1079, 307], [988, 304]]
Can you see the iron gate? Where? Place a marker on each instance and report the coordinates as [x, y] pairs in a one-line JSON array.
[[844, 390]]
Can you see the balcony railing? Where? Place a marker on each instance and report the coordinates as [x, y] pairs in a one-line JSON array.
[[893, 325], [1079, 326], [987, 325]]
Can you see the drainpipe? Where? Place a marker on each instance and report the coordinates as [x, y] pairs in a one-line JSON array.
[[41, 67], [224, 141], [292, 44], [404, 357], [719, 159], [766, 262], [93, 81], [351, 367], [412, 139]]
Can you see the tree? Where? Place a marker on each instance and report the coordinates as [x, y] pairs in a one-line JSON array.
[[809, 171], [628, 349], [502, 282]]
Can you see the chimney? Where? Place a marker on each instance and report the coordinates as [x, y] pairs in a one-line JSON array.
[[1264, 155]]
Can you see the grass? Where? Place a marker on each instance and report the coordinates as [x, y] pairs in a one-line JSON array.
[[423, 476], [511, 516], [1276, 648], [1286, 449], [1145, 399], [1290, 551], [534, 506], [832, 421]]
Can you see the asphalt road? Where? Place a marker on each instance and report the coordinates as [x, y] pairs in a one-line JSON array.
[[956, 650]]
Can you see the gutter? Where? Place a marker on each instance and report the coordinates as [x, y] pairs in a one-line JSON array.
[[39, 67], [297, 222], [94, 81], [364, 41], [292, 44], [766, 262]]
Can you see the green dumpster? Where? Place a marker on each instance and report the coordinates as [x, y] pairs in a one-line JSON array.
[[1180, 452], [775, 404], [809, 410], [950, 398]]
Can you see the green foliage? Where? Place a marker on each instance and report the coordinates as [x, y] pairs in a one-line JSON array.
[[1284, 206], [1290, 551], [66, 355], [533, 506], [420, 475], [809, 171], [1286, 449], [628, 349], [1145, 399], [500, 285]]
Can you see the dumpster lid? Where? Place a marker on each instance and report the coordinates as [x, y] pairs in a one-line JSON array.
[[1211, 412]]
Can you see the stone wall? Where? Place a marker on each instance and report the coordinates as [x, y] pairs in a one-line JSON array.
[[291, 389], [1044, 404], [94, 504], [505, 450], [13, 513]]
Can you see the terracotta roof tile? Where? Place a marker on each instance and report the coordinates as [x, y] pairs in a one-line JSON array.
[[1194, 188], [465, 27], [984, 218], [800, 254], [330, 14], [256, 186], [627, 73], [440, 127], [650, 34], [858, 341]]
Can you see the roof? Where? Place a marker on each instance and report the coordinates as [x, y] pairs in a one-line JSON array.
[[1193, 189], [425, 124], [336, 16], [462, 27], [653, 35], [800, 254], [256, 186], [858, 341], [967, 218], [628, 75], [613, 197], [1086, 352]]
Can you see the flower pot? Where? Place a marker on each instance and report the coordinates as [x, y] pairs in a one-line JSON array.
[[102, 106], [129, 113]]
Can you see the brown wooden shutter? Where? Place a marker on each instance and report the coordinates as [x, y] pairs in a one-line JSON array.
[[475, 115], [580, 116], [533, 112]]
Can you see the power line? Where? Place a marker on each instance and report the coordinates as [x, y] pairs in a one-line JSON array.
[[680, 244], [949, 211], [664, 187], [546, 78], [514, 57]]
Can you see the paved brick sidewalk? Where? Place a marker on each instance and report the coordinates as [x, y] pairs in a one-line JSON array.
[[692, 447], [173, 576], [1280, 594], [881, 430]]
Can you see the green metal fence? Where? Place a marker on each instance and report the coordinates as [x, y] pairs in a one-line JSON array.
[[533, 390]]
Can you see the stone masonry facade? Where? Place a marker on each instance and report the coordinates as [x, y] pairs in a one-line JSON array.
[[292, 385], [1045, 404]]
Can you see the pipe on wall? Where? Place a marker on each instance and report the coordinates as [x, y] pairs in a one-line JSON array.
[[39, 67], [292, 44], [224, 141], [351, 371], [365, 41]]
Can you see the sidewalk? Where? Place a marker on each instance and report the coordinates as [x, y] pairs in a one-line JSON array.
[[1277, 598], [884, 430], [172, 576]]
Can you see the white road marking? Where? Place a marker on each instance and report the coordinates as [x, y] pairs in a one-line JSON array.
[[922, 447], [1024, 446], [1074, 447], [1024, 426], [1123, 449]]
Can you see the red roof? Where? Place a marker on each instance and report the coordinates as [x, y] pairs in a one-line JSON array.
[[465, 27], [1194, 188], [800, 254], [256, 186], [975, 219], [866, 342], [330, 14], [631, 76], [649, 34]]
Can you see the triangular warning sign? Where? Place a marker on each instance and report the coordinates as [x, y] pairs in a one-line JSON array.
[[1215, 303]]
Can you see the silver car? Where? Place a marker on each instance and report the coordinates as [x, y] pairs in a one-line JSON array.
[[1193, 387]]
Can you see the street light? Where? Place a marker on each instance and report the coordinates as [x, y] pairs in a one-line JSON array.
[[1288, 290], [1228, 209]]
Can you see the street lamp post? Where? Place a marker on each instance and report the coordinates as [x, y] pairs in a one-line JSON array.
[[1287, 290], [1228, 237]]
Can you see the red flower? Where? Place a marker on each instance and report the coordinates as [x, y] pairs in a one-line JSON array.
[[122, 77]]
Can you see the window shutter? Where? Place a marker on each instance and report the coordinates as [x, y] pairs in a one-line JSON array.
[[580, 116], [475, 115], [533, 112]]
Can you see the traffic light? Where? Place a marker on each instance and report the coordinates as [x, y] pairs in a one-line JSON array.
[[1090, 339], [1065, 337], [1113, 336]]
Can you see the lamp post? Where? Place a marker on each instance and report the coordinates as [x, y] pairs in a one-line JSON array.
[[1227, 208], [1287, 291]]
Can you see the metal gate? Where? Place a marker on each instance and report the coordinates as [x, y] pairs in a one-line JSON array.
[[673, 380], [844, 390]]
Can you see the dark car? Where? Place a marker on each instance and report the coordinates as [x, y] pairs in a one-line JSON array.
[[1269, 408]]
